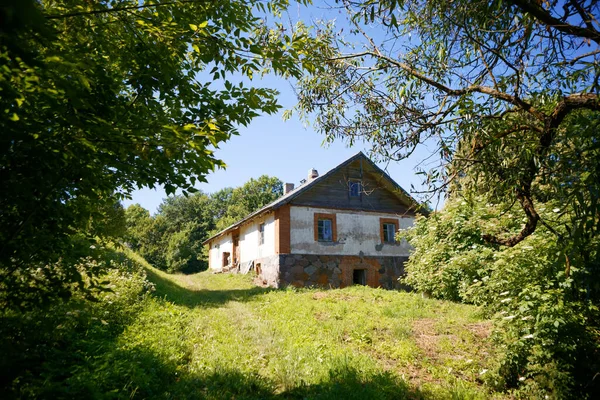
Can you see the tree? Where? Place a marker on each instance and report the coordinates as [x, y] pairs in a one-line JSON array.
[[137, 222], [243, 200], [507, 91], [172, 239], [99, 98]]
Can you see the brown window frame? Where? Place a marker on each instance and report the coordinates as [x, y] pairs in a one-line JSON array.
[[383, 221], [324, 216]]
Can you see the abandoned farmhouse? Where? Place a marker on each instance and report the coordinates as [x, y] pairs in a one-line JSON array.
[[334, 230]]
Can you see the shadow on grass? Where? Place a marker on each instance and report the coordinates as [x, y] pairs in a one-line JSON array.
[[343, 384], [139, 373], [180, 295]]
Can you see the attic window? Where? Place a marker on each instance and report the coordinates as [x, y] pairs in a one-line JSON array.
[[354, 188], [325, 227]]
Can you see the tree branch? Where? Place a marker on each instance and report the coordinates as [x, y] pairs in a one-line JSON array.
[[117, 9], [533, 217], [546, 18]]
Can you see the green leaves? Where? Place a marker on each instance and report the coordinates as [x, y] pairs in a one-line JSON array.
[[482, 84], [172, 240], [539, 292], [98, 100]]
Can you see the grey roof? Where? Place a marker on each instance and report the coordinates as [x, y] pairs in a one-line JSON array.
[[286, 198]]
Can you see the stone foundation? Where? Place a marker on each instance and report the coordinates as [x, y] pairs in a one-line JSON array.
[[304, 270]]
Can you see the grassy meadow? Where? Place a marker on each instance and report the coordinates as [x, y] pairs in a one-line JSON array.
[[220, 337]]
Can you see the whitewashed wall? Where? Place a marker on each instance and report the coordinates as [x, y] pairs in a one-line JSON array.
[[357, 231], [217, 248], [249, 246]]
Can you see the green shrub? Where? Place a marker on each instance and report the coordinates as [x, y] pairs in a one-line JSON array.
[[540, 293], [43, 349]]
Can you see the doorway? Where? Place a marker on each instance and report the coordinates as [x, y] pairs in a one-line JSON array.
[[359, 277]]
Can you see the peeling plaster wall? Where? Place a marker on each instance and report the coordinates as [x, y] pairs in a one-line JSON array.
[[269, 270], [217, 248], [249, 246], [358, 233]]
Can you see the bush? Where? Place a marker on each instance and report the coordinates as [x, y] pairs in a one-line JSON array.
[[541, 297], [42, 349]]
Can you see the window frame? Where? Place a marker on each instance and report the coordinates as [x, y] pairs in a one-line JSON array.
[[261, 233], [353, 183], [325, 216], [388, 221]]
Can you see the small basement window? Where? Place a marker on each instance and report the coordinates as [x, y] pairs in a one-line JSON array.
[[359, 277], [354, 188]]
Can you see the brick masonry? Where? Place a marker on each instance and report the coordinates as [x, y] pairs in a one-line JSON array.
[[304, 270]]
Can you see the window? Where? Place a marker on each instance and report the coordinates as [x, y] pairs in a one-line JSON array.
[[225, 259], [325, 231], [388, 228], [261, 234], [355, 188], [325, 227]]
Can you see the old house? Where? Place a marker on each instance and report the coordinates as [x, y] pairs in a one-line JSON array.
[[334, 230]]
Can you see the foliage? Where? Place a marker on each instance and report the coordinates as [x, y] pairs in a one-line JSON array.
[[507, 93], [42, 346], [542, 295], [243, 200], [504, 91], [217, 336], [172, 240], [100, 98]]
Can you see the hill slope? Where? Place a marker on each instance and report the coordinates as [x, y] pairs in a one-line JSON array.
[[356, 342], [220, 337]]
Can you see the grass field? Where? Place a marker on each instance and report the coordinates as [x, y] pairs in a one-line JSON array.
[[227, 338], [218, 336]]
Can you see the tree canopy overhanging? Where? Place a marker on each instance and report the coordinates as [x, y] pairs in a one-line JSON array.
[[506, 91], [100, 98]]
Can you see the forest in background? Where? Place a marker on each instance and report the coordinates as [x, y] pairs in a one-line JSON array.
[[171, 239]]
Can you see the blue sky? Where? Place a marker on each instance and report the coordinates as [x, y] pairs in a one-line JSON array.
[[285, 149]]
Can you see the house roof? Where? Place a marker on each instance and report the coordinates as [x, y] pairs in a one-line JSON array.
[[286, 198]]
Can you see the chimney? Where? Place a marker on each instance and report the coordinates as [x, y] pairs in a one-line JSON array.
[[312, 174], [288, 188]]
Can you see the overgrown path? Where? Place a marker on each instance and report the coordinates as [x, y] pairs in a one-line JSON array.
[[225, 338]]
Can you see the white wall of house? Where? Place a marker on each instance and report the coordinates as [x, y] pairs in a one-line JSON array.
[[217, 247], [357, 231], [250, 248]]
